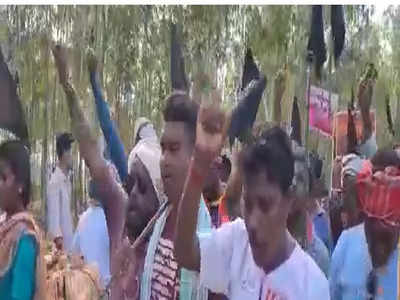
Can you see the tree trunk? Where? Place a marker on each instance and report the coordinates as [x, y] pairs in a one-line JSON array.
[[45, 133]]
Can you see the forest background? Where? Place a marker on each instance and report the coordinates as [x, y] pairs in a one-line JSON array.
[[133, 47]]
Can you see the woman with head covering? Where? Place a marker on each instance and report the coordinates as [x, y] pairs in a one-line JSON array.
[[144, 185], [144, 130], [145, 190], [144, 135], [370, 249]]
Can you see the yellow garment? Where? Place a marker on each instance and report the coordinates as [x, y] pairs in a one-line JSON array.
[[10, 233], [70, 279]]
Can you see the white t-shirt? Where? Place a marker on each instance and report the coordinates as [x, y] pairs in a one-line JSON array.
[[59, 208], [91, 240], [227, 267]]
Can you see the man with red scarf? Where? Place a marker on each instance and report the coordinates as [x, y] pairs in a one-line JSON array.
[[370, 249]]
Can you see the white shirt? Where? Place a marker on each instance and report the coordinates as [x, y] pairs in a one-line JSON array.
[[59, 217], [92, 241], [227, 267]]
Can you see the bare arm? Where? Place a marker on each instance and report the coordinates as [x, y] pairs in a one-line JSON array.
[[367, 125], [365, 99], [233, 190], [279, 90], [187, 248], [210, 134], [351, 132], [113, 196], [80, 126]]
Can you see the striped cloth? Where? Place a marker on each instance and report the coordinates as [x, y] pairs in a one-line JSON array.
[[379, 193]]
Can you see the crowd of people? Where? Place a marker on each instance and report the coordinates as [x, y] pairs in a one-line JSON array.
[[178, 219]]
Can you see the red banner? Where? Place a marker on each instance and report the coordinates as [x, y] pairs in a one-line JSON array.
[[321, 108]]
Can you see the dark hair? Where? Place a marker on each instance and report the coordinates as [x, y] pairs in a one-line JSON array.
[[273, 154], [226, 162], [63, 143], [385, 158], [16, 155], [93, 190], [180, 108]]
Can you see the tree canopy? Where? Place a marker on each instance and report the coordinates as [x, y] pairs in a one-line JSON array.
[[133, 47]]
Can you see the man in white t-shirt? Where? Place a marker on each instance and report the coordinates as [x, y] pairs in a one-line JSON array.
[[255, 257], [91, 238], [59, 193]]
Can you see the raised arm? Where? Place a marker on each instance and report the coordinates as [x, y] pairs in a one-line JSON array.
[[80, 126], [365, 100], [278, 94], [365, 92], [210, 135], [113, 196], [368, 145], [233, 192], [351, 132], [113, 140]]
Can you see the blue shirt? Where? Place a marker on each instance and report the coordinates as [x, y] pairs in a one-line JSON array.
[[351, 264], [92, 241], [113, 140], [321, 225], [319, 252]]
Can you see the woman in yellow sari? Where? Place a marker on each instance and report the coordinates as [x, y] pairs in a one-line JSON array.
[[22, 274]]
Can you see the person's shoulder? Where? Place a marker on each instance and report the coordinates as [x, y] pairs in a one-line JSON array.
[[354, 234], [237, 225], [304, 263], [85, 215], [316, 281], [92, 214], [27, 244], [236, 230], [355, 230], [55, 177]]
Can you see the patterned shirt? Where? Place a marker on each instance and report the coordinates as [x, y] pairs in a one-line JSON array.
[[165, 279]]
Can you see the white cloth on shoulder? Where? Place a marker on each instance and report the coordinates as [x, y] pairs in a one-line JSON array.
[[351, 165]]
